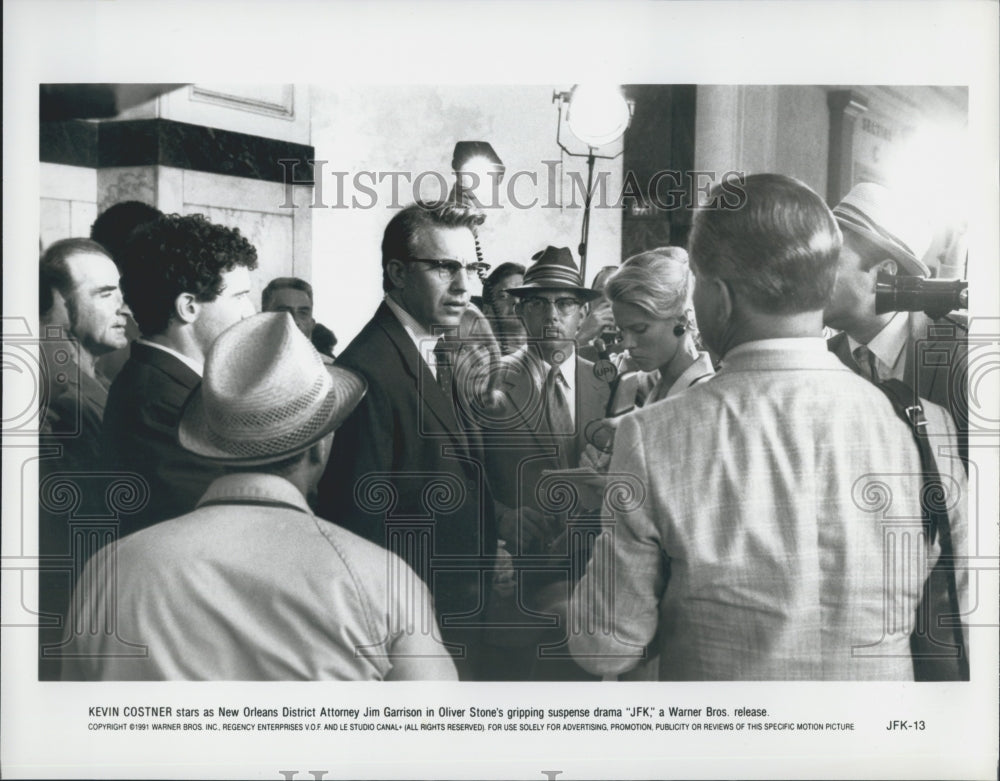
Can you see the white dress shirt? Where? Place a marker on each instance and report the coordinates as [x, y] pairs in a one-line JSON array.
[[423, 340], [887, 347]]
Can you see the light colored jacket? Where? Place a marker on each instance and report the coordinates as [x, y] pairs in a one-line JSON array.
[[770, 530], [249, 586]]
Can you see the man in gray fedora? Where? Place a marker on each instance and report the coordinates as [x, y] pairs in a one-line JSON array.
[[550, 400], [251, 585], [551, 394]]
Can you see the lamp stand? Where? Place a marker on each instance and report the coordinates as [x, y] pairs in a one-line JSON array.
[[588, 197]]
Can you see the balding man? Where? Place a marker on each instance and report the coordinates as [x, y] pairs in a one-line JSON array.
[[749, 546], [83, 317]]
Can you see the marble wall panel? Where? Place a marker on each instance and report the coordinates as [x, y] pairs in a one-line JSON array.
[[132, 183]]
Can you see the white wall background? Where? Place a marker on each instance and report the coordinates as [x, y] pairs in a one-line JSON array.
[[414, 129]]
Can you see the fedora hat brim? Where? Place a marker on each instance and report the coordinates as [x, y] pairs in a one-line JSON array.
[[909, 262], [194, 430]]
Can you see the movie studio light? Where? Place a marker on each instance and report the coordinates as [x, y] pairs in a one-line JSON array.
[[478, 173], [597, 115]]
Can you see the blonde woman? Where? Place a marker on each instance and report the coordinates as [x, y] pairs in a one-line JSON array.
[[650, 297]]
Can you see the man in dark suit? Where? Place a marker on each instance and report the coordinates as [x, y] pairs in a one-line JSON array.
[[186, 281], [551, 404], [929, 356], [404, 470], [79, 294], [83, 317]]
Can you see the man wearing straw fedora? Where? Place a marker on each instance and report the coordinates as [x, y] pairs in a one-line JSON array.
[[881, 234], [251, 585]]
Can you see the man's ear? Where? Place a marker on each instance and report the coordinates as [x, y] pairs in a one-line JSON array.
[[186, 307], [888, 265], [396, 271], [725, 300], [319, 452]]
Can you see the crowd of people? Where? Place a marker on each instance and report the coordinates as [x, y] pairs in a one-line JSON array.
[[668, 475]]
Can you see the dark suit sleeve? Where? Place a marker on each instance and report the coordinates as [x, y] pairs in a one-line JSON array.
[[140, 435], [362, 446]]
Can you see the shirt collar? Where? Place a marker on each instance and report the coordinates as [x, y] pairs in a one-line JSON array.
[[196, 366], [697, 370], [806, 343], [422, 339], [246, 486], [568, 370], [888, 344]]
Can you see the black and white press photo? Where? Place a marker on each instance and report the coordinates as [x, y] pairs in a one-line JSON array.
[[628, 419]]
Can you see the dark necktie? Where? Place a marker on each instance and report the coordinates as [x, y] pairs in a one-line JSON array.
[[865, 359], [559, 418], [556, 405], [444, 352]]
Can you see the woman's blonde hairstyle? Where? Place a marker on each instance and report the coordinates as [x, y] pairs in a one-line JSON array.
[[657, 281]]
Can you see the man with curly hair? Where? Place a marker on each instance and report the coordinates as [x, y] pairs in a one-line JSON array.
[[186, 281]]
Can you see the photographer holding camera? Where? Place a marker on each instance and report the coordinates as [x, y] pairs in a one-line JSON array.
[[882, 237], [597, 336]]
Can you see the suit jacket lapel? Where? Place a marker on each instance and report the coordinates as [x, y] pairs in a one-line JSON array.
[[592, 395], [93, 392], [838, 345], [592, 392], [427, 388], [526, 391]]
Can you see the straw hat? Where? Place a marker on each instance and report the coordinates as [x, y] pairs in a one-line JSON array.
[[875, 213], [266, 395], [554, 269]]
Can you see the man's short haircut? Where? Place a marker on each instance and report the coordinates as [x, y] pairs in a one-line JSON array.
[[178, 254], [498, 275], [404, 229], [283, 283], [657, 281], [115, 224], [53, 271], [778, 250]]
